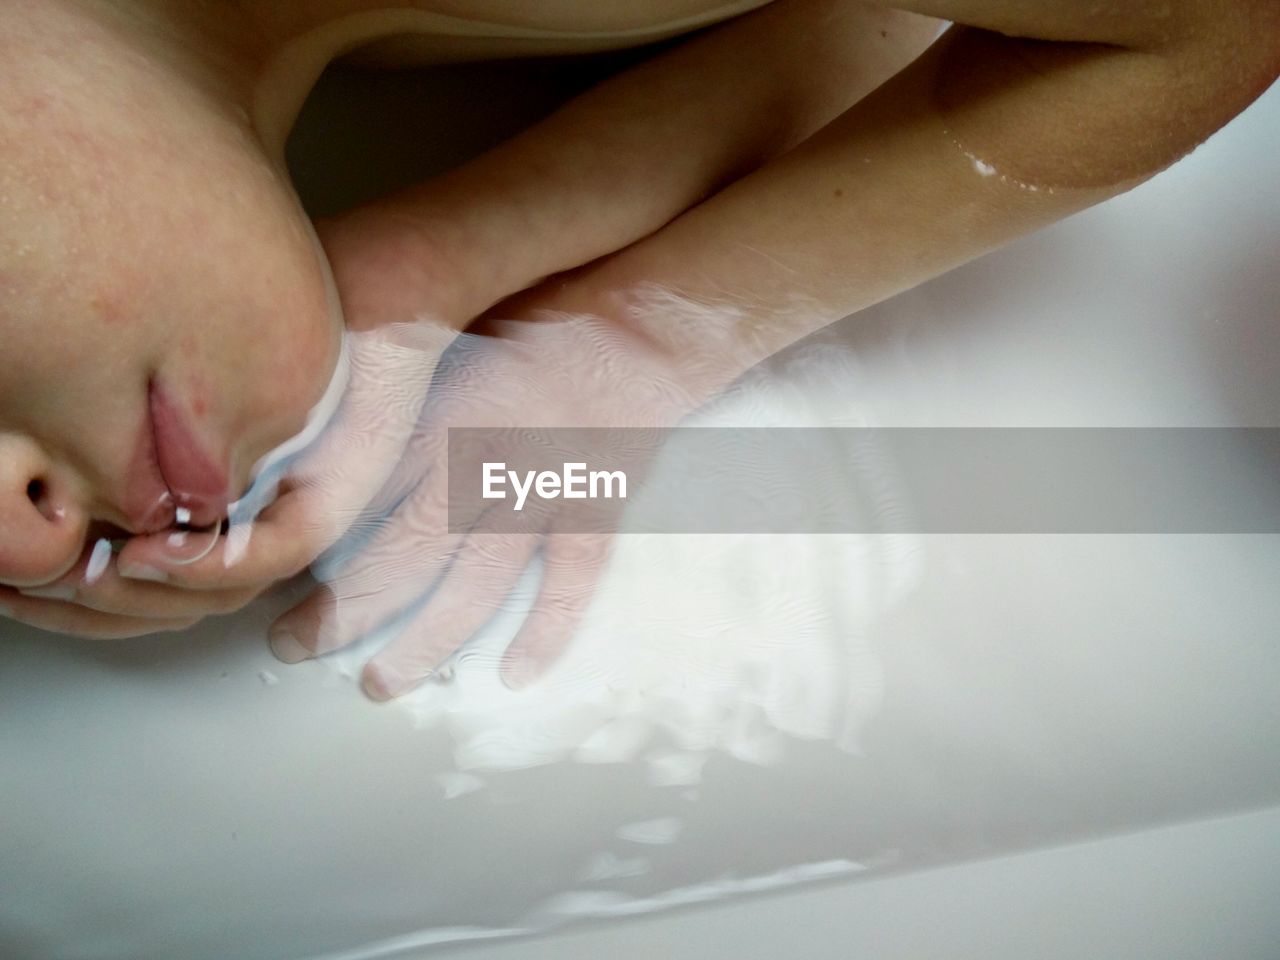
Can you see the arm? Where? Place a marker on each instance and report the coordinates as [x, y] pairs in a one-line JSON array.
[[985, 138], [617, 162], [957, 154]]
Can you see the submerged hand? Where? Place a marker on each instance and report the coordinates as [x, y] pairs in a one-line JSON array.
[[462, 554]]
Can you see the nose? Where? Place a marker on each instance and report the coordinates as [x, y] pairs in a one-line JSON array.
[[42, 523]]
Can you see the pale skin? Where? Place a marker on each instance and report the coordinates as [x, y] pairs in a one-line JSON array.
[[1033, 110]]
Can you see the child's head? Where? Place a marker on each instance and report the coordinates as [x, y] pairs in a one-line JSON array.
[[145, 241]]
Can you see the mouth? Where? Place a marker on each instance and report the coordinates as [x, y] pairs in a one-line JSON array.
[[172, 479]]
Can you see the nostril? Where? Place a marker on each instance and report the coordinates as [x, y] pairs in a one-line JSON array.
[[38, 493]]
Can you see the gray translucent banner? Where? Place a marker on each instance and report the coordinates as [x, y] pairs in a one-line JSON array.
[[865, 480]]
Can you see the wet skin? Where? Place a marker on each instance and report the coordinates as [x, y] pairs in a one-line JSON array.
[[799, 187]]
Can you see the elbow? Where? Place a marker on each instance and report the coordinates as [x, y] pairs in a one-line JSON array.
[[1228, 58], [1105, 115], [1230, 48]]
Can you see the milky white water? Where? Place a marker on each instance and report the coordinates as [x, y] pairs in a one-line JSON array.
[[740, 714]]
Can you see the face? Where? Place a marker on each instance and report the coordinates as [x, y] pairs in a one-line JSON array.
[[165, 319]]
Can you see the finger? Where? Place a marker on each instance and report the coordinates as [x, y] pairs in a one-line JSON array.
[[391, 371], [399, 564], [462, 394], [328, 488], [572, 564], [342, 612], [112, 593], [58, 616], [278, 545], [95, 584], [487, 567]]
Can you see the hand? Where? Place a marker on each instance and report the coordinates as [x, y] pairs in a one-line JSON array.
[[544, 370]]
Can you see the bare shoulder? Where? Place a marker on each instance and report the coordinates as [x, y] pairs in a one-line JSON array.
[[550, 16]]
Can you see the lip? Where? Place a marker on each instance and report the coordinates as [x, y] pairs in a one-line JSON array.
[[169, 469], [196, 481]]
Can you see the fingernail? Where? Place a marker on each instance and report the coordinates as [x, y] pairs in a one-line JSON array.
[[143, 571], [381, 684], [237, 544], [286, 647], [57, 591], [99, 560], [519, 672]]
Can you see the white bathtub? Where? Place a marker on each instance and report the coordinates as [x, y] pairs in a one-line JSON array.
[[1065, 746]]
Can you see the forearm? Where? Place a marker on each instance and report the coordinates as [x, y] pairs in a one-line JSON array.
[[626, 157], [966, 150]]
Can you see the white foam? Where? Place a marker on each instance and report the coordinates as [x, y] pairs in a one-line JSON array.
[[607, 903], [675, 768], [983, 168], [458, 784], [268, 471], [320, 415], [609, 866], [657, 832]]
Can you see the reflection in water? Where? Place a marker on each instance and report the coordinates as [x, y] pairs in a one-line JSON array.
[[604, 904], [698, 643]]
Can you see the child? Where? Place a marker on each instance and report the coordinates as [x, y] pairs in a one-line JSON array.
[[166, 315]]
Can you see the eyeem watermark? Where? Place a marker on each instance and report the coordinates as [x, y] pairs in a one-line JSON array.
[[573, 482], [866, 480]]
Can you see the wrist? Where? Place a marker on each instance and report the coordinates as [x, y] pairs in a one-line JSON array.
[[698, 346], [393, 268]]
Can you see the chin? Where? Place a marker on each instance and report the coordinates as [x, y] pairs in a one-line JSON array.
[[313, 412]]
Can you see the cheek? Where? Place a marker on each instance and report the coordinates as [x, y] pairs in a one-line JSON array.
[[286, 331], [300, 365], [200, 392], [298, 360], [110, 309]]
